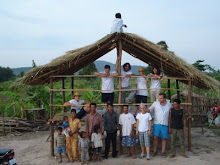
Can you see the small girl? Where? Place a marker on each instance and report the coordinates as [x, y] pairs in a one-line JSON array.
[[97, 142], [84, 145], [143, 126]]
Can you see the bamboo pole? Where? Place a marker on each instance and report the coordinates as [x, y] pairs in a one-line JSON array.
[[168, 86], [116, 90], [66, 76], [119, 54], [63, 93], [51, 116], [189, 115], [177, 89], [72, 85]]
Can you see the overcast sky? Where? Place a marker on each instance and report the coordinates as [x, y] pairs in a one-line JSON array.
[[42, 30]]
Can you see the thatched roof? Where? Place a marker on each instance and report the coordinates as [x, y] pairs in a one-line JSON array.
[[135, 45]]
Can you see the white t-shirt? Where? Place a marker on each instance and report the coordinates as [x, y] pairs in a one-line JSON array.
[[97, 139], [161, 113], [108, 83], [126, 120], [143, 121], [66, 132], [125, 81], [155, 83], [117, 26], [76, 103], [141, 84]]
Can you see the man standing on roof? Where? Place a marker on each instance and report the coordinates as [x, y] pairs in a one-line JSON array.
[[161, 109], [76, 103], [126, 74], [107, 84], [118, 24]]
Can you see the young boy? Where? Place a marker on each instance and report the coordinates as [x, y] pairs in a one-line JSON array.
[[141, 95], [177, 127], [97, 142], [118, 24], [60, 143], [84, 146], [143, 129], [127, 121]]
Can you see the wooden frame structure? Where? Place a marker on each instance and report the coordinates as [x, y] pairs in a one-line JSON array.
[[119, 53]]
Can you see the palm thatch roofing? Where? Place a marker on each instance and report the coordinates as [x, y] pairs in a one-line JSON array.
[[134, 45]]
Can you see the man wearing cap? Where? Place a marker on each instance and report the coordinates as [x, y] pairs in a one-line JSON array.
[[107, 84], [76, 103], [141, 95]]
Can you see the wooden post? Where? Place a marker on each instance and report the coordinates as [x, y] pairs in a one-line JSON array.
[[72, 85], [51, 117], [177, 87], [168, 86], [189, 114], [64, 98], [119, 54]]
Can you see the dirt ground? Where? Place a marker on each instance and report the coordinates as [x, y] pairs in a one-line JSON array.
[[32, 149]]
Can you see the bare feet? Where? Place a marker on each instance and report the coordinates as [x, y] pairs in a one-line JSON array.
[[172, 156], [184, 155]]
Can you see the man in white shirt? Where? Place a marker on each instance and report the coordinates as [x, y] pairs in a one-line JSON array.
[[126, 122], [107, 84], [161, 109], [126, 74], [117, 24], [76, 103]]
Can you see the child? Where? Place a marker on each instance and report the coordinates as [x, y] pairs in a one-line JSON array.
[[177, 128], [141, 95], [96, 142], [66, 128], [127, 121], [143, 129], [117, 24], [60, 144], [84, 145]]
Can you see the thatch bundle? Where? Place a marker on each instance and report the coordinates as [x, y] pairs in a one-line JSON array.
[[135, 45]]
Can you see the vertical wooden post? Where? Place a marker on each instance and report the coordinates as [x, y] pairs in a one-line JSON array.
[[51, 117], [168, 86], [63, 93], [189, 114], [119, 54], [177, 87], [72, 85]]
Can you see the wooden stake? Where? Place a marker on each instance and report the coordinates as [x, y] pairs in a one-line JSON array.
[[177, 89], [63, 93], [168, 86], [189, 114], [51, 116], [72, 85]]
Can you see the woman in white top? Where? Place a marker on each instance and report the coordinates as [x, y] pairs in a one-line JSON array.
[[141, 95], [155, 83]]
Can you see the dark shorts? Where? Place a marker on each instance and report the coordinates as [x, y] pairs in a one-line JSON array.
[[61, 150], [140, 99], [128, 141], [108, 97], [98, 150], [81, 113]]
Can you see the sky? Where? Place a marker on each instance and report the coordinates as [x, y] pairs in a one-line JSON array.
[[42, 30]]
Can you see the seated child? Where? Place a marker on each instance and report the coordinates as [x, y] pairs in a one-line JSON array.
[[84, 146], [60, 143], [96, 140]]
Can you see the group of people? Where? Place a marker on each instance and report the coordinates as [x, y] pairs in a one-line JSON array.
[[168, 119]]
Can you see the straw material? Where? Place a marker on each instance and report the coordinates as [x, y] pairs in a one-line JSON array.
[[133, 44]]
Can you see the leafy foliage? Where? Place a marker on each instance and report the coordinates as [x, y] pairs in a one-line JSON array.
[[5, 74]]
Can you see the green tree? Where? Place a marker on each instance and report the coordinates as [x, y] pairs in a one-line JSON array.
[[89, 69], [33, 64], [203, 67], [148, 70], [5, 74]]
